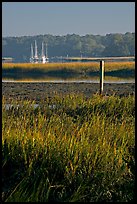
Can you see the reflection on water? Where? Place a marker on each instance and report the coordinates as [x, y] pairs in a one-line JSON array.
[[9, 106], [91, 80], [79, 79]]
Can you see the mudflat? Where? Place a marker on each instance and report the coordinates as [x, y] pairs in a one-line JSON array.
[[37, 91]]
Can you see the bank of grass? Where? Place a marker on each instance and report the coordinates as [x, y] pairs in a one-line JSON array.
[[69, 149], [90, 66], [69, 71]]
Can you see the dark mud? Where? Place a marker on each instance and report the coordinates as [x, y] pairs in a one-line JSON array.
[[37, 91]]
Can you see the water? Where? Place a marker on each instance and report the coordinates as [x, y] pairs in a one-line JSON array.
[[120, 81], [9, 106]]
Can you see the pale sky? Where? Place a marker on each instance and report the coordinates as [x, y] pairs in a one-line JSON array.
[[61, 18]]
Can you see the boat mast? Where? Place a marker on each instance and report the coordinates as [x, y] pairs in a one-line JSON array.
[[36, 59], [43, 54], [31, 57], [36, 52]]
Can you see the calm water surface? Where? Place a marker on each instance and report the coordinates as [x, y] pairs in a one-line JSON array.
[[119, 81]]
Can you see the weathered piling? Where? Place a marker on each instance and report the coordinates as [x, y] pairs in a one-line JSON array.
[[101, 76]]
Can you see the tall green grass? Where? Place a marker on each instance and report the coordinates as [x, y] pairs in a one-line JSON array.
[[70, 149]]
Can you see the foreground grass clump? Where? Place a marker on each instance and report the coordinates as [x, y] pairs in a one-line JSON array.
[[69, 149]]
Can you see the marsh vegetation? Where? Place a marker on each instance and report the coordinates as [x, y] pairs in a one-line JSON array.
[[67, 71], [80, 150]]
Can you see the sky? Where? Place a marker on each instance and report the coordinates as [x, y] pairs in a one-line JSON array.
[[62, 18]]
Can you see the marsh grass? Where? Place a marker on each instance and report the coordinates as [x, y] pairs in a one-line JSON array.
[[80, 150], [71, 65], [67, 70]]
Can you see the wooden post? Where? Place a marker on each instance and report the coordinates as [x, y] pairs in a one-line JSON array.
[[101, 76]]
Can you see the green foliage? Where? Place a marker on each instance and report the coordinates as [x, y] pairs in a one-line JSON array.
[[119, 45], [71, 45], [69, 149]]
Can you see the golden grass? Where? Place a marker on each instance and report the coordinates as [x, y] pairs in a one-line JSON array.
[[81, 150], [72, 65]]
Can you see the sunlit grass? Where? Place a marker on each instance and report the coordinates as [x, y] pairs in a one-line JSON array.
[[69, 149], [67, 71], [72, 65]]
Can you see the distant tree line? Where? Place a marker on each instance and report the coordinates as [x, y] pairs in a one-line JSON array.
[[71, 45]]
